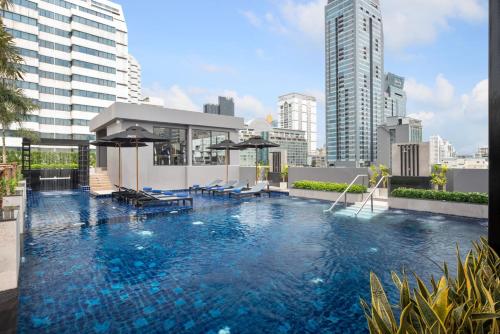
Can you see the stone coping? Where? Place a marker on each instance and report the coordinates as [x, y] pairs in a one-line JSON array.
[[469, 210]]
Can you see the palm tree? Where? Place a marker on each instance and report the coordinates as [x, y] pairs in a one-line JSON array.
[[14, 106], [10, 60], [14, 109]]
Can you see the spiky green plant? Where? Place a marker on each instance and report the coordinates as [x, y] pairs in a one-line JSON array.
[[466, 303], [374, 175]]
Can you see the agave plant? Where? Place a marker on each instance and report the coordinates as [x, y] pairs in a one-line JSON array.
[[466, 303]]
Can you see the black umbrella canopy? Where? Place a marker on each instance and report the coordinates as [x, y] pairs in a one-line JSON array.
[[256, 142], [102, 143], [134, 134], [224, 145]]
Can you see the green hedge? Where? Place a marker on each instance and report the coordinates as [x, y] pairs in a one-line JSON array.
[[326, 186], [476, 198], [55, 166]]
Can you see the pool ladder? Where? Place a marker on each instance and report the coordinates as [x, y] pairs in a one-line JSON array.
[[344, 194], [370, 196]]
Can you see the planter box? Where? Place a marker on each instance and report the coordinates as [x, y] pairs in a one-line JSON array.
[[10, 252], [326, 195], [442, 207]]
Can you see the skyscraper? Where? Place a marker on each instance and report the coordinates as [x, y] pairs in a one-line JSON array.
[[394, 96], [225, 107], [298, 112], [440, 150], [354, 80], [134, 80], [76, 62]]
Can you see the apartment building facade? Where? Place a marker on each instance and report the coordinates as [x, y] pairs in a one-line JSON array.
[[76, 62], [354, 80], [299, 112]]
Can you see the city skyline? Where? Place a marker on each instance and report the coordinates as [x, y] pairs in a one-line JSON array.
[[283, 52]]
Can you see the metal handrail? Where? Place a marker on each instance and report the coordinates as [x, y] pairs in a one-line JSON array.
[[370, 196], [344, 193]]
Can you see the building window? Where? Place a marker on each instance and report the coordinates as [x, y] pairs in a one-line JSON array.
[[202, 140], [173, 151]]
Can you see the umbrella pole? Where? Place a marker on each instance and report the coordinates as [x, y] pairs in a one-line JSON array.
[[256, 166], [119, 168], [137, 166], [227, 165]]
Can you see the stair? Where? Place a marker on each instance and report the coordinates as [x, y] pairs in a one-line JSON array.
[[100, 183], [379, 206]]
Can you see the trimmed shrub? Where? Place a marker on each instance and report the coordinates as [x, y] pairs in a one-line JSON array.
[[327, 186], [475, 198]]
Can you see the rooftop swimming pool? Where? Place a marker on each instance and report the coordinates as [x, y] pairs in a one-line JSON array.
[[263, 265]]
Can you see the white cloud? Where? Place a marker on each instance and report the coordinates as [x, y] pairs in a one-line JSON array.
[[460, 119], [307, 18], [410, 22], [268, 20], [252, 18], [175, 97], [406, 22], [248, 106], [475, 104]]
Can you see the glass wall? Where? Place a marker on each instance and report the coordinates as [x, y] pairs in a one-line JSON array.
[[202, 140], [172, 152]]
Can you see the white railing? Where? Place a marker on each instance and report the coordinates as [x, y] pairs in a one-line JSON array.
[[370, 196], [344, 194]]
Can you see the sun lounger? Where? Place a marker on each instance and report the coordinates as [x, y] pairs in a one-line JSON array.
[[197, 187], [241, 185], [227, 185], [256, 190], [165, 198]]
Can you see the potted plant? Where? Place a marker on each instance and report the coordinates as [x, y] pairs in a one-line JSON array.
[[438, 177], [374, 175], [284, 178], [385, 172]]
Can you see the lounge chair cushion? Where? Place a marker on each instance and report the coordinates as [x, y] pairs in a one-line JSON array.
[[147, 189], [182, 195], [156, 191], [196, 185], [237, 191], [168, 193]]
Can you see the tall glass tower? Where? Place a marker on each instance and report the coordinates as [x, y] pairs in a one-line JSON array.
[[354, 81]]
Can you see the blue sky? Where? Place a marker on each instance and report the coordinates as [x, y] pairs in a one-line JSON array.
[[254, 51]]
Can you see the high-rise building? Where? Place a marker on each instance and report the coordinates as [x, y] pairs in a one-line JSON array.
[[441, 150], [482, 152], [396, 130], [76, 62], [134, 80], [394, 96], [292, 146], [225, 107], [298, 112], [211, 109], [354, 80]]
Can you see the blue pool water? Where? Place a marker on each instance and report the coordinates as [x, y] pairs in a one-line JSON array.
[[276, 265]]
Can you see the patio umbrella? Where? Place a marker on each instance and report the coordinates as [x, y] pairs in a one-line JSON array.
[[225, 145], [256, 142], [135, 135], [119, 145]]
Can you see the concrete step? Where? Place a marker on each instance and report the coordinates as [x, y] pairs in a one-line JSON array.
[[100, 182], [379, 207]]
